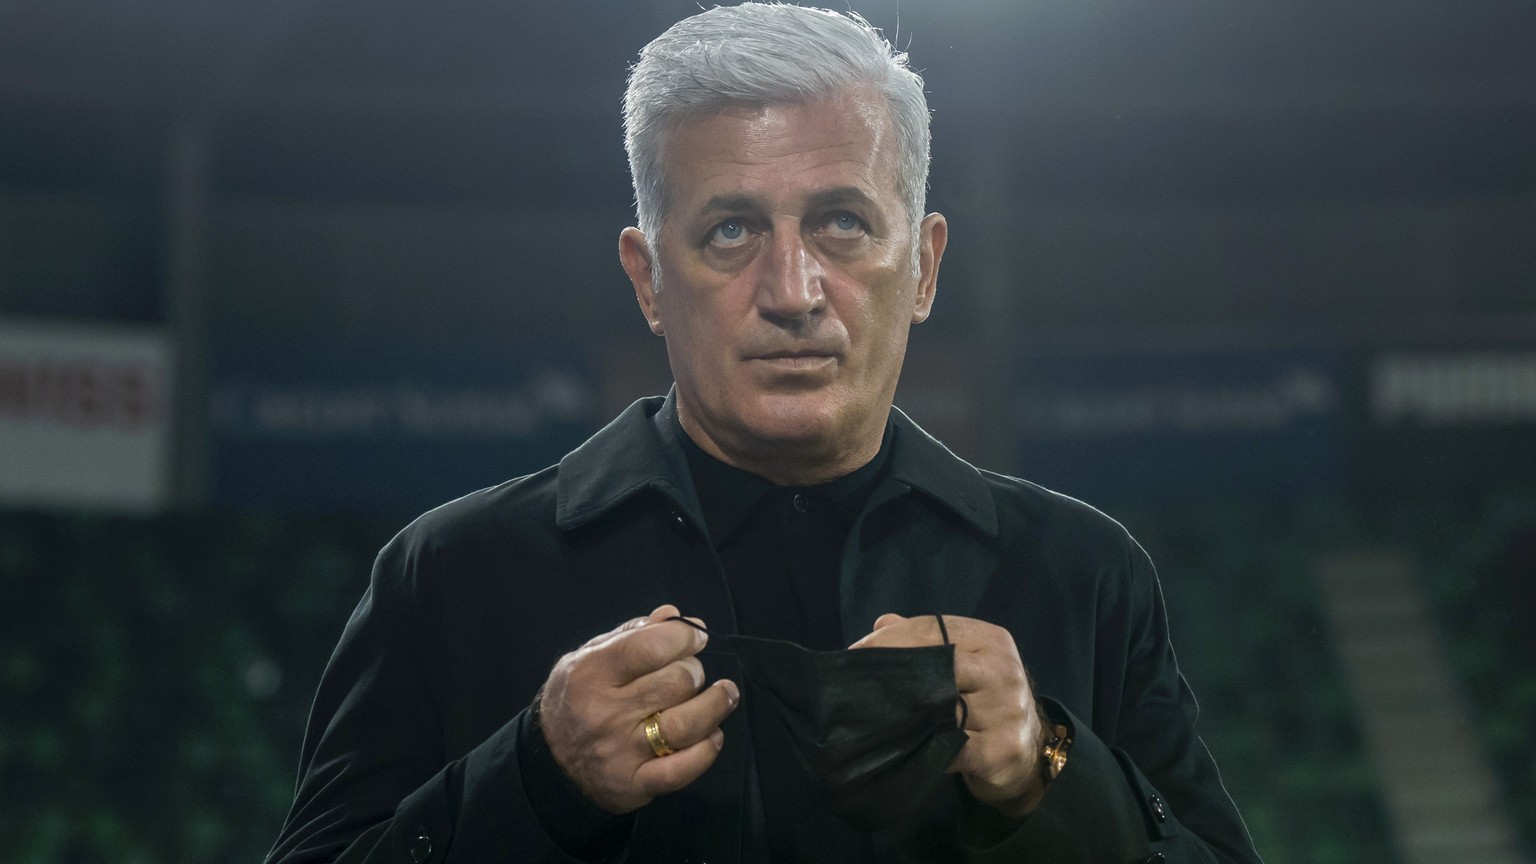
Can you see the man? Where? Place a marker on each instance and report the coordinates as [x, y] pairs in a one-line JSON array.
[[779, 158]]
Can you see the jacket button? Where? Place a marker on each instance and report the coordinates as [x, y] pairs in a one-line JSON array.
[[1158, 810], [421, 848], [679, 523]]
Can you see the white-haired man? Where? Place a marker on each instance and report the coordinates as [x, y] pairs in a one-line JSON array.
[[859, 691]]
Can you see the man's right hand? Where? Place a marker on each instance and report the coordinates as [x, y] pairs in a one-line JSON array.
[[594, 706]]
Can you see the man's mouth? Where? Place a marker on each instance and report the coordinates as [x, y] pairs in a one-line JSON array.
[[775, 355], [809, 359]]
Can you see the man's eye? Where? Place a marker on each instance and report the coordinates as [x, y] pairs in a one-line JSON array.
[[729, 232], [845, 224]]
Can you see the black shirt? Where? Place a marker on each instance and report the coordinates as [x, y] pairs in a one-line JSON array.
[[781, 548]]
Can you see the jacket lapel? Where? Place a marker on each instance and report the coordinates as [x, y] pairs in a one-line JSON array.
[[927, 541]]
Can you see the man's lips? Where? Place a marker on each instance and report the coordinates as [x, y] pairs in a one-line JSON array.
[[777, 355], [798, 359]]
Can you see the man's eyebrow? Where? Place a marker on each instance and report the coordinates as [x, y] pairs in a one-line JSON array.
[[733, 203], [840, 196], [821, 199]]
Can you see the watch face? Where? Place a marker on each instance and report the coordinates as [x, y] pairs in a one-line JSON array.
[[1056, 751]]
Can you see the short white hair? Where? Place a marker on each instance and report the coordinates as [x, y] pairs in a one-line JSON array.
[[759, 54]]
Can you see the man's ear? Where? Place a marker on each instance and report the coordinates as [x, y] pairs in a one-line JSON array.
[[635, 256], [932, 237]]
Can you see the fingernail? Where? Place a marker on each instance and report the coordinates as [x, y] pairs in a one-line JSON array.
[[717, 738], [732, 692]]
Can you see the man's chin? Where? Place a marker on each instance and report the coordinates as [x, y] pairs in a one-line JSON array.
[[809, 416], [786, 423], [807, 425], [794, 438]]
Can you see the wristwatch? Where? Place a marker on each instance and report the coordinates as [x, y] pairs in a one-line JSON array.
[[1054, 753]]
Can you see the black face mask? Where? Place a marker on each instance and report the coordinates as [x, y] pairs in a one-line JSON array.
[[874, 726]]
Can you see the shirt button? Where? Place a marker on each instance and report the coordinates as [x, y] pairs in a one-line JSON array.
[[801, 502], [1158, 811], [421, 848]]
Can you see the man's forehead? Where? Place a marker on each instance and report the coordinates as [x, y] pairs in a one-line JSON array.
[[821, 152]]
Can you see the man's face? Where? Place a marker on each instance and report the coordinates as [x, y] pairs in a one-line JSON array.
[[788, 282]]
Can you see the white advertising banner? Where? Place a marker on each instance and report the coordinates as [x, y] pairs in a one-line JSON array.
[[1465, 388], [84, 416]]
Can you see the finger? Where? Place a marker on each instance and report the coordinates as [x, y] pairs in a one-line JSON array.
[[660, 775], [692, 731], [694, 719], [977, 671], [1001, 707], [995, 709], [661, 613], [667, 687], [645, 649], [603, 638], [968, 635], [669, 612], [894, 631]]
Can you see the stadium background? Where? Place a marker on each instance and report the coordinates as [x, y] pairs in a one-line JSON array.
[[1257, 279]]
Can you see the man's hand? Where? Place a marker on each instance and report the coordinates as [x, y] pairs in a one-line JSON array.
[[594, 705], [1001, 761]]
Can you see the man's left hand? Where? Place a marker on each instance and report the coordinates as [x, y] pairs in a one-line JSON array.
[[1001, 761]]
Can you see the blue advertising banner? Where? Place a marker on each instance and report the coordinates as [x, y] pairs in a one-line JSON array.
[[1451, 422], [1171, 426], [374, 427]]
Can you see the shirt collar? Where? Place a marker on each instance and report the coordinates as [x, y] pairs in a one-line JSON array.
[[729, 496], [639, 450]]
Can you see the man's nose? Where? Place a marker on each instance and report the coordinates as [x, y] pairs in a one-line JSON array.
[[790, 278]]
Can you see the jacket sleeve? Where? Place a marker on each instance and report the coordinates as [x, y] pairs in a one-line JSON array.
[[1146, 789], [375, 784]]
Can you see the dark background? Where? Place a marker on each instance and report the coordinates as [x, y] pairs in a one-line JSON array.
[[1186, 240]]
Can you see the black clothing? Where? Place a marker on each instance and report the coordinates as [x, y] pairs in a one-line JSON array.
[[414, 752], [780, 547]]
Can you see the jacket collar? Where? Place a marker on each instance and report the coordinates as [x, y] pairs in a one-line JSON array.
[[637, 451]]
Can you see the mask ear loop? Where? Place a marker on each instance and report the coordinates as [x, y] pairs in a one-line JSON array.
[[723, 650], [965, 710], [683, 620]]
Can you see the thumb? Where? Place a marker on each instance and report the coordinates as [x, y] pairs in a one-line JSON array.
[[660, 614], [874, 637]]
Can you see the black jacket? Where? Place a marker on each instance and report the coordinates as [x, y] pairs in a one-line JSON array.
[[412, 751]]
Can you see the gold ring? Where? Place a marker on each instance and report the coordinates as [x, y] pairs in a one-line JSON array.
[[658, 742]]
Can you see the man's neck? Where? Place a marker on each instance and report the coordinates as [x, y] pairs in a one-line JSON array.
[[789, 463]]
